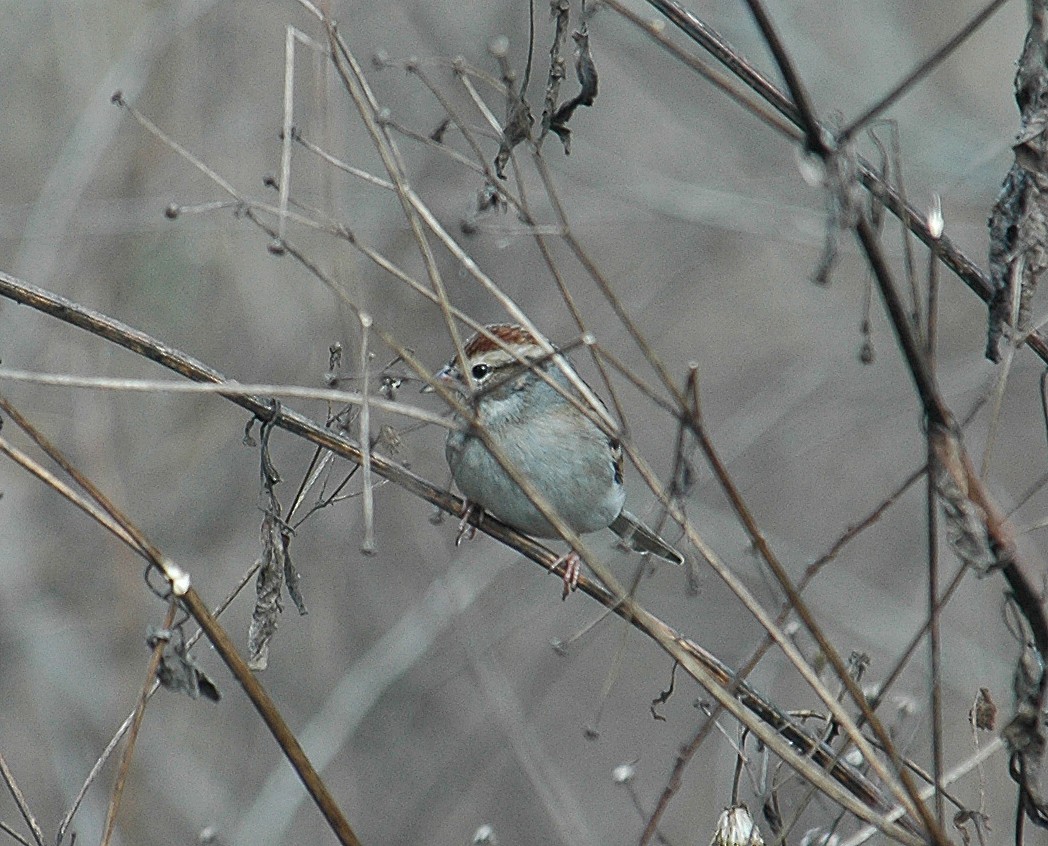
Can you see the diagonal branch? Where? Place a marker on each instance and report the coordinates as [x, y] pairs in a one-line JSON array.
[[915, 220], [817, 762], [182, 589]]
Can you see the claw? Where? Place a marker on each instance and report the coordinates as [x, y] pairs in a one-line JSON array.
[[572, 567], [466, 530]]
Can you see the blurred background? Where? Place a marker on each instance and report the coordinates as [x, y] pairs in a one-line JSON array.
[[424, 675]]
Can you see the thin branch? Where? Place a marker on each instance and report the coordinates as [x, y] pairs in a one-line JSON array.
[[20, 801], [919, 72], [126, 724], [48, 478], [136, 723], [757, 538], [934, 633], [839, 782], [162, 386], [356, 86], [4, 827], [751, 662], [949, 778], [723, 82], [367, 546], [737, 64], [181, 587], [815, 142]]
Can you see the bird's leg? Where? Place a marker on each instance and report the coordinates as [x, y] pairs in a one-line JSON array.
[[467, 530], [572, 566]]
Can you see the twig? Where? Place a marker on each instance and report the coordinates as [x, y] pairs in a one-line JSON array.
[[742, 512], [932, 511], [722, 82], [136, 723], [949, 778], [737, 64], [181, 588], [4, 827], [814, 140], [771, 725], [162, 386], [920, 72], [20, 801], [751, 662], [367, 546], [126, 724]]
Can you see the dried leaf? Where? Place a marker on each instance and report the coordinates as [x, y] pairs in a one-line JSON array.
[[517, 129], [984, 712], [1025, 734], [178, 669], [560, 10], [1019, 220], [292, 578], [275, 572], [586, 71], [965, 520], [976, 818]]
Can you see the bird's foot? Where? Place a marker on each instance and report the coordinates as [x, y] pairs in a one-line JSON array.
[[572, 566], [466, 530]]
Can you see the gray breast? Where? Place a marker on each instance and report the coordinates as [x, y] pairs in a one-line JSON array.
[[569, 464]]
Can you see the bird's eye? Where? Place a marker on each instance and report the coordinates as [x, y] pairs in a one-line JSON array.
[[479, 371]]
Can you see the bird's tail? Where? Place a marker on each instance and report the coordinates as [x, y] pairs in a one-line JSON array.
[[640, 538]]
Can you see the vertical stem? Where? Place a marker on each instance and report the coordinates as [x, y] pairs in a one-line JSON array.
[[368, 545], [287, 129], [933, 537], [938, 418], [136, 723]]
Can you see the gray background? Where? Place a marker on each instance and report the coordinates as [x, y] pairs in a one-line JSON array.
[[443, 706]]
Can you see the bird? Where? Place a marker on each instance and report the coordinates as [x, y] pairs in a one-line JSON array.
[[572, 462]]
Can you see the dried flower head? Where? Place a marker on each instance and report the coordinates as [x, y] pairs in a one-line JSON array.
[[485, 834], [736, 828]]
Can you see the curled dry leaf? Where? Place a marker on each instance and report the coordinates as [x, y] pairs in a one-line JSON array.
[[984, 711], [517, 129], [1019, 220], [275, 572], [1025, 735], [965, 519], [178, 669], [586, 71], [560, 10]]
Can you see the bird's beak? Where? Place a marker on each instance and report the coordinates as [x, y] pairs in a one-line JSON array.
[[445, 377]]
